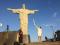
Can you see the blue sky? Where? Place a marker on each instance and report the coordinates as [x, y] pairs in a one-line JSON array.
[[47, 16]]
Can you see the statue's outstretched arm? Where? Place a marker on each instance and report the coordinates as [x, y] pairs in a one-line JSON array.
[[33, 11], [13, 10]]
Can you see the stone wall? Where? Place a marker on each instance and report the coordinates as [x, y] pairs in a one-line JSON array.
[[9, 37]]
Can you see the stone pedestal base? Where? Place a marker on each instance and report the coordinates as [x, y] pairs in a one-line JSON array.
[[26, 39]]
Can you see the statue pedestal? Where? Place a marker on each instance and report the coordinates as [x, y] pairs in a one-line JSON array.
[[25, 39]]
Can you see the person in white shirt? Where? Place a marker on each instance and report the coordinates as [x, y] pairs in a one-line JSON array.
[[39, 32]]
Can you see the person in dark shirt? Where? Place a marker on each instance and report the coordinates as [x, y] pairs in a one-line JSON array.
[[46, 38], [20, 36]]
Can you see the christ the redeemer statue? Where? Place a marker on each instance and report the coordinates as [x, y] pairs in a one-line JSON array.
[[23, 16]]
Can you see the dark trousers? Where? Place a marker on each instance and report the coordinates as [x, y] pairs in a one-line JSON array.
[[20, 40]]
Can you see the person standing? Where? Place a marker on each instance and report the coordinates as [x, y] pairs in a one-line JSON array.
[[39, 32], [20, 36]]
